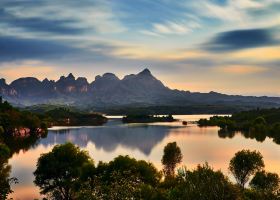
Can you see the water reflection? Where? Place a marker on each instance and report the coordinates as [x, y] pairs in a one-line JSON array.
[[256, 135], [142, 142], [108, 138]]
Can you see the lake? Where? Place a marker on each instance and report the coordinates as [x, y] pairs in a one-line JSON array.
[[142, 141]]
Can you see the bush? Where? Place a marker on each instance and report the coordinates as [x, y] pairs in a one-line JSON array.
[[203, 183]]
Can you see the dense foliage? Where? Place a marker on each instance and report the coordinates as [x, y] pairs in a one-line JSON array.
[[203, 183], [266, 185], [19, 129], [5, 180], [12, 119], [64, 116], [244, 164], [58, 172], [69, 170], [258, 124], [147, 118]]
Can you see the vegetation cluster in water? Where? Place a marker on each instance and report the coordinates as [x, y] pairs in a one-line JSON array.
[[258, 124], [147, 118]]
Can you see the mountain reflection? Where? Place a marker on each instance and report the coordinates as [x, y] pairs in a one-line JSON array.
[[110, 136]]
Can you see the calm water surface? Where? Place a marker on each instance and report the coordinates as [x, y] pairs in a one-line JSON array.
[[142, 141]]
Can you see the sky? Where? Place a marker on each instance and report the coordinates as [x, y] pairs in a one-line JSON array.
[[228, 46]]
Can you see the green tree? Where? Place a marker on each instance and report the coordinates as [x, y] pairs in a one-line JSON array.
[[58, 172], [172, 156], [267, 184], [5, 169], [203, 183], [244, 164], [122, 178]]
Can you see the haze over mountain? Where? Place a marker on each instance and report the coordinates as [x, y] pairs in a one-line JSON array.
[[142, 89]]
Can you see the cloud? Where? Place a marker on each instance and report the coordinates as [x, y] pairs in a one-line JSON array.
[[232, 10], [241, 69], [13, 48], [172, 28], [241, 39], [60, 17], [39, 24]]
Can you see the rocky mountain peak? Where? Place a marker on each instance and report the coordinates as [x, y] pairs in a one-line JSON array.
[[82, 80], [110, 76], [2, 81], [146, 71], [45, 80], [71, 76], [61, 78]]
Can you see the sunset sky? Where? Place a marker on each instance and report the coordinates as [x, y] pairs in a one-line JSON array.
[[228, 46]]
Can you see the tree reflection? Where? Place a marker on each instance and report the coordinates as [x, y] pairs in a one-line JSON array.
[[224, 133], [8, 146], [16, 144], [252, 134]]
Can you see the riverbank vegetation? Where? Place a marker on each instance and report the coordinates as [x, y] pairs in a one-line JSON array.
[[16, 122], [67, 172], [257, 124], [24, 123], [66, 117]]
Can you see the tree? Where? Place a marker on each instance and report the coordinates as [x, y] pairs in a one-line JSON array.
[[5, 169], [244, 164], [266, 183], [122, 178], [58, 172], [171, 157], [203, 183]]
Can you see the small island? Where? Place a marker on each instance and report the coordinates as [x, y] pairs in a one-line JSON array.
[[147, 118], [66, 117]]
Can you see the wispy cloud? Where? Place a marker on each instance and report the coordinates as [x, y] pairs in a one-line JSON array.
[[65, 17], [240, 69], [172, 28]]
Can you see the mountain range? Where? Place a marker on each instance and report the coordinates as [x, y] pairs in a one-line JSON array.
[[142, 89]]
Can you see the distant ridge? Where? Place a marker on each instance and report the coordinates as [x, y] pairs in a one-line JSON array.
[[142, 89]]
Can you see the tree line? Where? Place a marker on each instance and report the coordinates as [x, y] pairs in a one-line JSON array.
[[69, 173], [258, 124]]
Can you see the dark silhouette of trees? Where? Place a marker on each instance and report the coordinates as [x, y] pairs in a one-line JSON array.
[[58, 171], [266, 185], [203, 183], [69, 173], [172, 156], [5, 180], [244, 164], [122, 178]]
